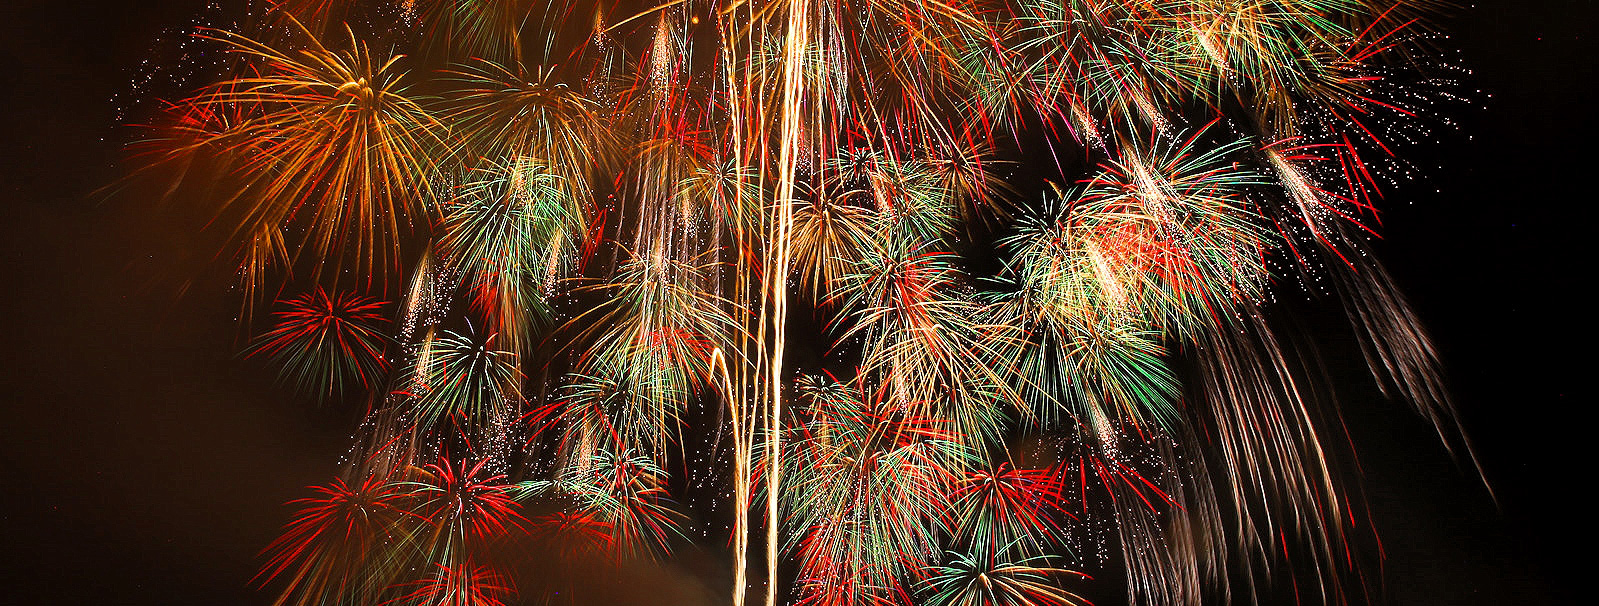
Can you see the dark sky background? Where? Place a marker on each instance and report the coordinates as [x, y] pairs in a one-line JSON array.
[[141, 463]]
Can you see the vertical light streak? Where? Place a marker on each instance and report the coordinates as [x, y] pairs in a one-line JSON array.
[[741, 473], [796, 43]]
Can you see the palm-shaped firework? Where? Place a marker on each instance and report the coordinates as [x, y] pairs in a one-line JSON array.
[[1037, 239]]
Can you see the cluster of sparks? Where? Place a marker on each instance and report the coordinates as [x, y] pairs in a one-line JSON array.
[[1028, 249]]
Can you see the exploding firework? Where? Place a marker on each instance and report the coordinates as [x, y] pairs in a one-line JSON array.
[[322, 341]]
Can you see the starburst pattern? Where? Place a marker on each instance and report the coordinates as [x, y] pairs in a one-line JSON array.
[[322, 341]]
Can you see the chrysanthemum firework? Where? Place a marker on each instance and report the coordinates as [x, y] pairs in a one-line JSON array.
[[328, 344]]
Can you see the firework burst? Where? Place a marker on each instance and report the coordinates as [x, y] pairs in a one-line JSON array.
[[322, 341]]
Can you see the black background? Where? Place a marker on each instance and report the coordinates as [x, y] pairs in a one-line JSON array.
[[140, 463]]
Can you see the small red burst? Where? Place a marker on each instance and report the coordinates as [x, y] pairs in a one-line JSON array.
[[325, 548], [468, 500], [321, 340]]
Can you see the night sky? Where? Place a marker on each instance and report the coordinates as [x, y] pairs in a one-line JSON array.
[[144, 463]]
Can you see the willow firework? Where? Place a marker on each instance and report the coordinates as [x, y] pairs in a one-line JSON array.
[[948, 302]]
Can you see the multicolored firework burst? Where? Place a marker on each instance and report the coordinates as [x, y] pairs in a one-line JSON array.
[[1039, 240], [322, 341]]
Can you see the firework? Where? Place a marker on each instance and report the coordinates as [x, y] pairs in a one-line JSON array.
[[326, 142], [341, 543], [621, 495], [1049, 222], [322, 340], [465, 378], [467, 585], [982, 580]]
